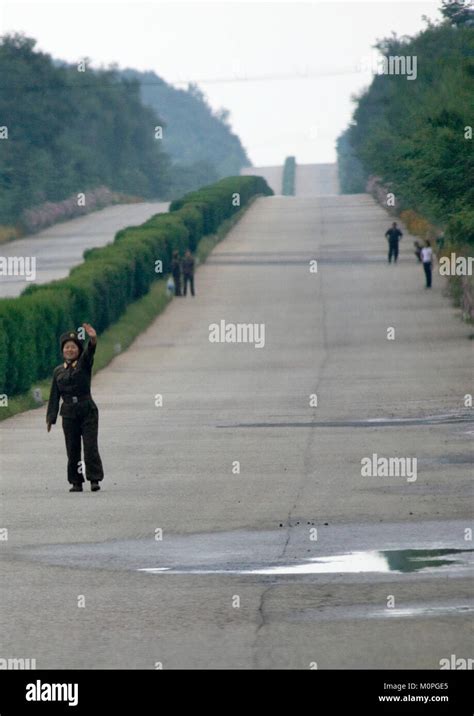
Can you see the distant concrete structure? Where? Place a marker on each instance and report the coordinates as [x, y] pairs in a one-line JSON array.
[[316, 180], [310, 179]]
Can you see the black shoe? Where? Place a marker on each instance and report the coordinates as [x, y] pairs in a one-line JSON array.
[[95, 486], [76, 487]]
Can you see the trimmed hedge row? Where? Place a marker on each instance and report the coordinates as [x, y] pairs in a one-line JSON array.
[[220, 201], [110, 278]]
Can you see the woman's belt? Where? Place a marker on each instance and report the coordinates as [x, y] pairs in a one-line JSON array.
[[73, 399]]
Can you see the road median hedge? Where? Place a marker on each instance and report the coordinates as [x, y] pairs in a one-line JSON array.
[[110, 278]]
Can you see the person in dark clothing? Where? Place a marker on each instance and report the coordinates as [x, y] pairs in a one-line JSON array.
[[176, 273], [393, 236], [418, 249], [188, 272], [80, 416]]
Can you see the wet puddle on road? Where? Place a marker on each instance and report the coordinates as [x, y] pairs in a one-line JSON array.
[[344, 556], [368, 611], [390, 422], [399, 561], [342, 552]]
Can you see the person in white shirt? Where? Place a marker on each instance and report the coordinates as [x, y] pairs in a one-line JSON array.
[[427, 260]]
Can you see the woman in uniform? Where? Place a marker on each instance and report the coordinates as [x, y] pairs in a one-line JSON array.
[[80, 416]]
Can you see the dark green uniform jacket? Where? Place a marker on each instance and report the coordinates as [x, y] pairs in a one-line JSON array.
[[71, 381], [188, 266]]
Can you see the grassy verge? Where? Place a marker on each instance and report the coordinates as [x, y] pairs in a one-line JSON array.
[[118, 337], [9, 233]]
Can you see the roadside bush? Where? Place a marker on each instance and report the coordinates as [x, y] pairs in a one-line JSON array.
[[111, 277]]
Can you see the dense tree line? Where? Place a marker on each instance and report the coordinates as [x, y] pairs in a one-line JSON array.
[[352, 175], [417, 134], [69, 129], [197, 138], [110, 279]]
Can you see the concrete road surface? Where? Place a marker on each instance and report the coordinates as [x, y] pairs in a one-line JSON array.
[[57, 249], [235, 527], [310, 179]]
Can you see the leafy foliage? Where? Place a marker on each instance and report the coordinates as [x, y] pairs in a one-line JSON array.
[[352, 177], [414, 134], [110, 278], [71, 131], [197, 138]]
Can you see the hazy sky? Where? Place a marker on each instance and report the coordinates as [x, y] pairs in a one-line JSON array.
[[275, 109]]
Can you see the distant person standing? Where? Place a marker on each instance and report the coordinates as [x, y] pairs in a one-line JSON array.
[[393, 236], [188, 272], [176, 273], [427, 260]]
